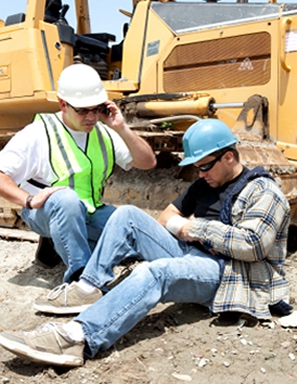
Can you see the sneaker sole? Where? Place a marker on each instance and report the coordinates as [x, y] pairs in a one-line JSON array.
[[60, 310], [20, 349]]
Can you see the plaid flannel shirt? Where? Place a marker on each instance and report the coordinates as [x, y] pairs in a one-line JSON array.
[[255, 245]]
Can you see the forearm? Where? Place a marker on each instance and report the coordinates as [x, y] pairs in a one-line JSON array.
[[167, 213], [141, 152], [173, 220], [247, 243], [11, 192]]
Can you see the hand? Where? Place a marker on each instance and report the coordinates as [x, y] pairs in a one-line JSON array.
[[114, 119], [142, 154], [40, 198], [183, 233]]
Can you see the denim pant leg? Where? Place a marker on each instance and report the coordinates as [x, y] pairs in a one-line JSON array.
[[63, 218], [130, 232], [193, 278], [96, 222]]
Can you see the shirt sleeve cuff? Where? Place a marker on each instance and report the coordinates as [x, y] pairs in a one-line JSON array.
[[198, 228]]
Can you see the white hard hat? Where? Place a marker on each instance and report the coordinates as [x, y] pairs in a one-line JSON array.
[[81, 86]]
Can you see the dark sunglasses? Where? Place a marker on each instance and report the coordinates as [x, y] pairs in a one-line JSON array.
[[101, 108], [206, 167]]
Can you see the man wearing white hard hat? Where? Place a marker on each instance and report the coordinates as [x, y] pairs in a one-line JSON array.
[[228, 258], [56, 168]]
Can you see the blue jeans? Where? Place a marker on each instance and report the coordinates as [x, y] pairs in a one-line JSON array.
[[172, 270], [74, 231]]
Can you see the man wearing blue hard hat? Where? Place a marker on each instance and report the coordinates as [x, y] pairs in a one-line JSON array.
[[221, 244]]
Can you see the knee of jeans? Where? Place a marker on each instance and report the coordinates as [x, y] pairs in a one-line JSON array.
[[68, 200], [126, 213], [151, 268], [127, 209]]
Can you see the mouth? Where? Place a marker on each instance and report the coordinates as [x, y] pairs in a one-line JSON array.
[[90, 123]]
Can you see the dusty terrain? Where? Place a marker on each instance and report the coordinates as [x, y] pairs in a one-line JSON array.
[[173, 344]]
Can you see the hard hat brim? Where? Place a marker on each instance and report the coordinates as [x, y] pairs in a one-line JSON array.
[[85, 102], [188, 161]]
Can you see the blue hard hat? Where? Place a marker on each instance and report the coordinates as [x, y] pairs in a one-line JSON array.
[[205, 137]]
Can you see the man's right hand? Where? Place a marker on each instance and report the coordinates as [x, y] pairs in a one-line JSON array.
[[40, 198]]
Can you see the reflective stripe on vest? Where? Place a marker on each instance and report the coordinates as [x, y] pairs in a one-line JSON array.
[[87, 171]]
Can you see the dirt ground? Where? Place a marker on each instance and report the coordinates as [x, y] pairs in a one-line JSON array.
[[173, 344]]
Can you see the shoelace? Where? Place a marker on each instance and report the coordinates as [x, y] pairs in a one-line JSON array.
[[48, 327], [56, 292]]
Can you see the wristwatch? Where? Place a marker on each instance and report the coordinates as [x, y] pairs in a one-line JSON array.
[[28, 201]]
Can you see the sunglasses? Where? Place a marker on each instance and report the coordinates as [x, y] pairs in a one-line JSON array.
[[207, 167], [101, 108]]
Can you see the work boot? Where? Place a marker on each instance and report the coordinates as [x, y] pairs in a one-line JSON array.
[[46, 256]]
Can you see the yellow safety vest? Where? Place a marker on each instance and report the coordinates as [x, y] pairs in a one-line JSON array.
[[86, 172]]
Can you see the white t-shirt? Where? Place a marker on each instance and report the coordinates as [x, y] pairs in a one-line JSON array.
[[26, 155]]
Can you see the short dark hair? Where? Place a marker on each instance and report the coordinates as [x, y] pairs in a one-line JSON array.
[[231, 148]]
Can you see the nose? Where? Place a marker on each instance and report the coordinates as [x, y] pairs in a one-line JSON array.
[[202, 173], [92, 112]]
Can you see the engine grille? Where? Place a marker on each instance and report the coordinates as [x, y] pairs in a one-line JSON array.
[[223, 63]]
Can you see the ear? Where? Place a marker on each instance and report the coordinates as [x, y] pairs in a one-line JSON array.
[[62, 105], [229, 156]]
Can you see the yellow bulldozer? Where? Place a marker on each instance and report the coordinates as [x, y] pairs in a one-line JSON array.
[[178, 62]]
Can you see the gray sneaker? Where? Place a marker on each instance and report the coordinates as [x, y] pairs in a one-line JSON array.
[[67, 299], [48, 344]]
